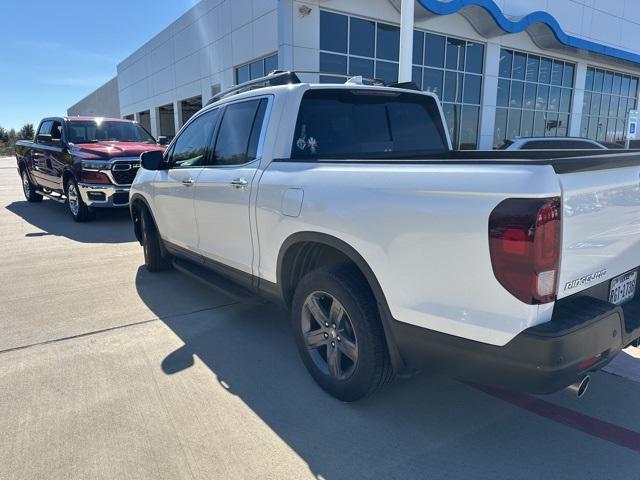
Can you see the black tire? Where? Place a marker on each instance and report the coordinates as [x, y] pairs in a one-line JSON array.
[[29, 189], [79, 211], [155, 258], [372, 368]]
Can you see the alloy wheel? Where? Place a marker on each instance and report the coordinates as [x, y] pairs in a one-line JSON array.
[[329, 335], [72, 199], [26, 185]]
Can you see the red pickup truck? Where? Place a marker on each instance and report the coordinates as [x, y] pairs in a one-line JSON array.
[[85, 162]]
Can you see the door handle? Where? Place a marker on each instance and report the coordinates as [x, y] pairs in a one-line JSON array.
[[239, 183], [187, 182]]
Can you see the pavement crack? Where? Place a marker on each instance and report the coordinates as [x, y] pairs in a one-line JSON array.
[[117, 327]]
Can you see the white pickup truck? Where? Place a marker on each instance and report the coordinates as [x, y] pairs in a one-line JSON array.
[[346, 203]]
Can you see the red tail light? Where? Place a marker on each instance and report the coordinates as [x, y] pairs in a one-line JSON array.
[[524, 242]]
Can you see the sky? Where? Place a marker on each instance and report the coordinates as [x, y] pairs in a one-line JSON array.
[[52, 54]]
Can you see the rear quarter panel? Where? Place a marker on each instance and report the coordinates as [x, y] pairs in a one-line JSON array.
[[423, 230]]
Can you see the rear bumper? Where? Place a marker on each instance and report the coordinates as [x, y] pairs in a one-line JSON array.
[[104, 195], [543, 359]]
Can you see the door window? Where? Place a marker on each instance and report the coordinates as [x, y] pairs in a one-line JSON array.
[[192, 146], [239, 133], [45, 128]]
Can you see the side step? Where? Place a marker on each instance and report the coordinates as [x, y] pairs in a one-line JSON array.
[[53, 196], [215, 281]]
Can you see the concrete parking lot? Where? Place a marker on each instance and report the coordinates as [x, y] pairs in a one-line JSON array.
[[107, 371]]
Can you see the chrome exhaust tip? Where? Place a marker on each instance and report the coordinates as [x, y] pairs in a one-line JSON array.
[[580, 388]]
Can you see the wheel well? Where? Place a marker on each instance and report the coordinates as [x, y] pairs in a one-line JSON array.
[[65, 177], [304, 257], [136, 207]]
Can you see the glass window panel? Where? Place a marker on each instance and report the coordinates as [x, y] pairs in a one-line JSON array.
[[556, 72], [361, 37], [388, 42], [517, 90], [533, 67], [233, 135], [416, 76], [589, 79], [620, 130], [545, 71], [361, 66], [608, 82], [506, 62], [434, 50], [624, 88], [526, 127], [499, 132], [554, 99], [387, 71], [418, 47], [472, 89], [604, 104], [475, 57], [565, 100], [513, 124], [584, 126], [551, 125], [193, 143], [432, 81], [503, 92], [622, 107], [242, 74], [256, 69], [563, 125], [567, 76], [271, 63], [542, 99], [519, 65], [530, 90], [602, 129], [611, 129], [333, 32], [595, 104], [586, 102], [452, 117], [597, 81], [633, 87], [451, 87], [613, 106], [593, 128], [539, 123], [455, 54], [617, 84], [469, 127], [330, 63]]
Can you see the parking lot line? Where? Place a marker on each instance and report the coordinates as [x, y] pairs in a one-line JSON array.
[[570, 418]]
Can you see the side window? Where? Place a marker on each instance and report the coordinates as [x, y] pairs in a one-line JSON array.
[[45, 127], [192, 146], [239, 133], [56, 131]]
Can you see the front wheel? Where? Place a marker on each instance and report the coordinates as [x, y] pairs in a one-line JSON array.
[[29, 189], [339, 334], [78, 209]]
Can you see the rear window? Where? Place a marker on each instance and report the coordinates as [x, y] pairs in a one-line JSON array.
[[339, 123]]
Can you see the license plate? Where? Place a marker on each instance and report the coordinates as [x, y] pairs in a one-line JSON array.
[[623, 288]]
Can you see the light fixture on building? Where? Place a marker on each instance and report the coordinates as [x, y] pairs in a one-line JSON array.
[[304, 10]]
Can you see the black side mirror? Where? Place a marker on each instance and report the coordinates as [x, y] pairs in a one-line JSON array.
[[162, 140], [153, 160]]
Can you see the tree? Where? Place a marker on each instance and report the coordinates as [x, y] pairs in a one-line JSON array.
[[4, 135], [26, 132]]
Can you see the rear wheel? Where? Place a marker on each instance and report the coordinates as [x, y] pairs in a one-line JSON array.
[[155, 259], [78, 209], [339, 335], [30, 192]]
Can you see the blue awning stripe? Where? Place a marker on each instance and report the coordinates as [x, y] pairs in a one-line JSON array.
[[439, 7]]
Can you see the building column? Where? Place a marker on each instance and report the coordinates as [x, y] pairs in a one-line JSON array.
[[489, 96], [177, 116], [285, 35], [154, 115], [575, 121], [136, 117], [406, 40]]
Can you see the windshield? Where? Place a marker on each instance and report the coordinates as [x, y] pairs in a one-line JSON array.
[[340, 123], [90, 131]]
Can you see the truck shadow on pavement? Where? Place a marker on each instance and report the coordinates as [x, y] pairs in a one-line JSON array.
[[425, 427], [108, 226]]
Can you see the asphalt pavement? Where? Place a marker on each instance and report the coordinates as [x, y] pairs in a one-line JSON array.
[[110, 372]]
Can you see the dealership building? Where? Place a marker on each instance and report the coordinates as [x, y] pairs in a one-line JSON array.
[[502, 68]]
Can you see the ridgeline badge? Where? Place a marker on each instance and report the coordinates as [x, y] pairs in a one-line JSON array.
[[584, 280]]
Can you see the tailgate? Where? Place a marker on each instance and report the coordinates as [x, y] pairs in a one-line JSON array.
[[601, 226]]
